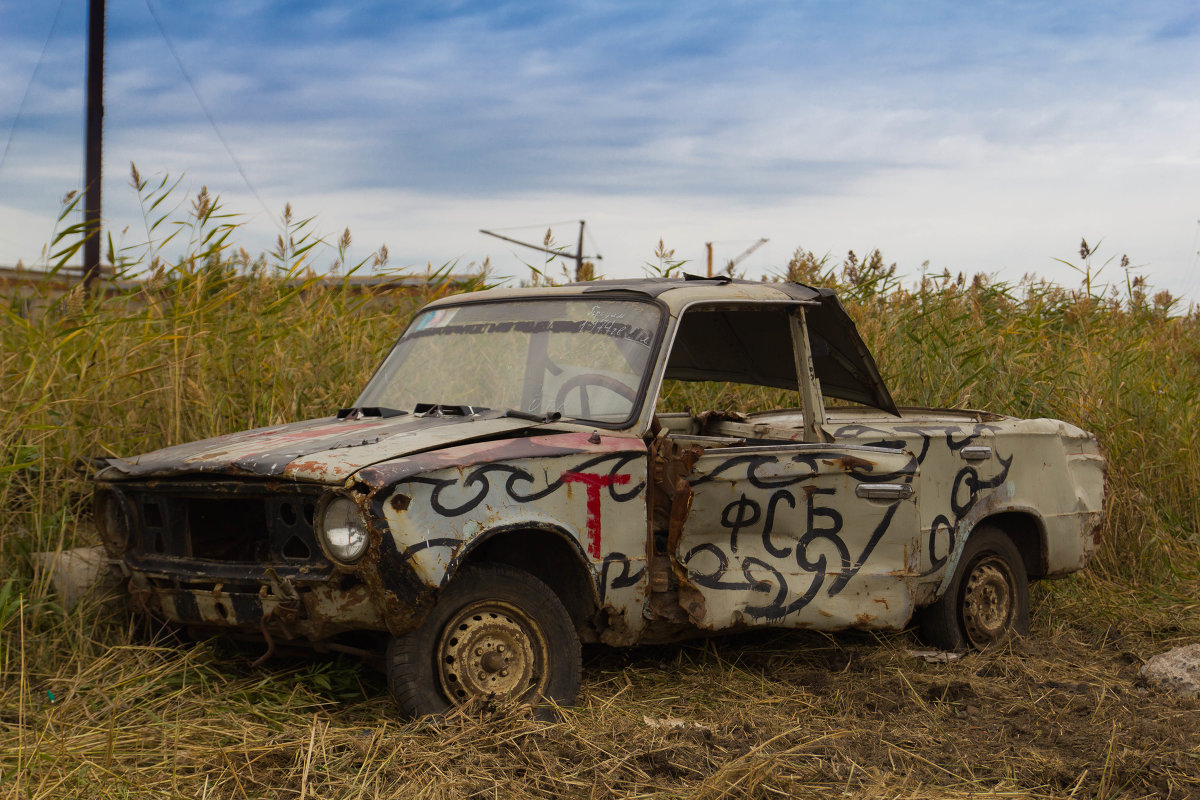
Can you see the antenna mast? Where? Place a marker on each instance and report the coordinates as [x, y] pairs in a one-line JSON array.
[[578, 257]]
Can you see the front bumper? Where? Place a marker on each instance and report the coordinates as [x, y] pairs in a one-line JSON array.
[[282, 601]]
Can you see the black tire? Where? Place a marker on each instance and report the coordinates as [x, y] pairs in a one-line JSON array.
[[497, 633], [986, 603]]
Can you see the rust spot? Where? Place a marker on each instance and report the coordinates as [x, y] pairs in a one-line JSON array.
[[670, 493], [614, 628], [400, 502], [849, 462], [660, 573], [864, 619]]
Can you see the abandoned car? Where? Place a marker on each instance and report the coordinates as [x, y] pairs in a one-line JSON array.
[[508, 486]]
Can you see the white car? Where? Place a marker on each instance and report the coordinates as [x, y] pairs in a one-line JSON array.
[[504, 488]]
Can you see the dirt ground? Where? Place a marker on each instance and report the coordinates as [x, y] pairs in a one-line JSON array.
[[780, 714], [1062, 713]]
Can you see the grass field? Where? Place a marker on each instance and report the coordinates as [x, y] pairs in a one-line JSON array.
[[95, 705]]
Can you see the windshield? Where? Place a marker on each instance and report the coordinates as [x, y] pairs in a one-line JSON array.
[[581, 358]]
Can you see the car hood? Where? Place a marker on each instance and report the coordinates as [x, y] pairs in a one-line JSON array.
[[326, 450]]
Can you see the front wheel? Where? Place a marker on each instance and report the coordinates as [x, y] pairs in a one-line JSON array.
[[497, 633], [987, 601]]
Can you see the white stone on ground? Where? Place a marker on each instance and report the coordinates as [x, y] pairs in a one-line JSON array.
[[1177, 671], [78, 574]]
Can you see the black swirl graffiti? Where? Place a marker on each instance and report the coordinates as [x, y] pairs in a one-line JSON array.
[[769, 524], [861, 469], [408, 552], [625, 579], [755, 462], [941, 525], [717, 579], [966, 478], [822, 525], [741, 513], [777, 608], [821, 553], [481, 478], [965, 490]]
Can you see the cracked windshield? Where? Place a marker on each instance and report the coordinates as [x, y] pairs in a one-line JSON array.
[[583, 359]]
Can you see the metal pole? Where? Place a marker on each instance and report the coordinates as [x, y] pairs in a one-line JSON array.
[[579, 253], [559, 251], [709, 246], [94, 142]]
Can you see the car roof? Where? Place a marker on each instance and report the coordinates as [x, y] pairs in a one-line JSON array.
[[843, 364], [676, 292]]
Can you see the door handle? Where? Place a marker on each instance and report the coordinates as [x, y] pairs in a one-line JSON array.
[[978, 452], [884, 491]]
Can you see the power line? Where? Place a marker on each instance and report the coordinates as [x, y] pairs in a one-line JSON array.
[[541, 224], [211, 120], [29, 86], [595, 244]]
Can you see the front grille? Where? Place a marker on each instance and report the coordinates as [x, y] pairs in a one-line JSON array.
[[224, 521]]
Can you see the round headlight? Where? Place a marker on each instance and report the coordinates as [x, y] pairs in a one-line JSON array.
[[113, 521], [342, 530]]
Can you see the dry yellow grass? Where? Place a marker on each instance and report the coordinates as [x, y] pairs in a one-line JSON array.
[[104, 707], [110, 712]]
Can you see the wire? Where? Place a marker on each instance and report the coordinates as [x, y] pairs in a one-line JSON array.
[[542, 225], [29, 86], [587, 234], [211, 120]]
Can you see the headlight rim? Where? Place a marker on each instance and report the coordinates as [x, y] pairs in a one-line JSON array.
[[319, 524]]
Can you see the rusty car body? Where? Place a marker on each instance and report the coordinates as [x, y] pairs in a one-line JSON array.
[[507, 487]]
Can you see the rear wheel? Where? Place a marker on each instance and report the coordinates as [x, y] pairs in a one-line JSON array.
[[497, 633], [987, 601]]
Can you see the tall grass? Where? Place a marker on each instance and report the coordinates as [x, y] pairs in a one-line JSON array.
[[1109, 360], [215, 340], [212, 343]]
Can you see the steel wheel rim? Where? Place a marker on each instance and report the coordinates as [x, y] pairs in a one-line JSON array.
[[989, 601], [491, 650]]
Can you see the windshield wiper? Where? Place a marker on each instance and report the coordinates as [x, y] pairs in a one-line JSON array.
[[516, 414], [447, 410], [359, 412]]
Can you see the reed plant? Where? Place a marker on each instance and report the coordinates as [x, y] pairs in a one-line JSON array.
[[1106, 358], [210, 340]]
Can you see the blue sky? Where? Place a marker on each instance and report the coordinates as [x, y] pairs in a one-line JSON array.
[[980, 137]]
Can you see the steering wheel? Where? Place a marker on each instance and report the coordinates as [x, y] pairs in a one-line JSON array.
[[581, 382]]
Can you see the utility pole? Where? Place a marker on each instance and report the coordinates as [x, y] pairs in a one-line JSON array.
[[94, 137], [578, 257], [733, 262], [579, 254]]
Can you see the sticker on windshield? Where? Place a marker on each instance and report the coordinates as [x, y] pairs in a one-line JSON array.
[[434, 319]]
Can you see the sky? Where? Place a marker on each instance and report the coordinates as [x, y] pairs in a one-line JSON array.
[[970, 137]]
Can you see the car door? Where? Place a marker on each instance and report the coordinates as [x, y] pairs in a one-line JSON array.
[[800, 535], [783, 526]]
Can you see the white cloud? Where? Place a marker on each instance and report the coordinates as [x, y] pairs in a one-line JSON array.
[[982, 138]]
